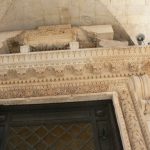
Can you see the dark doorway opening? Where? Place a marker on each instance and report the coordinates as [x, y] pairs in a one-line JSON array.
[[62, 126]]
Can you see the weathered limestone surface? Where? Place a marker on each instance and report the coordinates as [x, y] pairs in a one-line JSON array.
[[56, 37], [74, 45], [112, 43], [41, 77], [100, 31], [24, 49], [129, 15]]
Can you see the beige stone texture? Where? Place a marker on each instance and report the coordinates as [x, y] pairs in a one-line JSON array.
[[147, 117], [74, 45], [49, 35], [100, 31], [112, 43], [25, 49], [128, 16]]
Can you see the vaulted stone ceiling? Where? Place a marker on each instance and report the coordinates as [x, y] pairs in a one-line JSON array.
[[125, 15]]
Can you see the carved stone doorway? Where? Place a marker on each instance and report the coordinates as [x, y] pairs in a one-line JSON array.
[[64, 126]]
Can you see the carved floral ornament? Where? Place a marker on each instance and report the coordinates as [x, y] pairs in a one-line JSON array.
[[68, 65], [60, 73], [102, 70]]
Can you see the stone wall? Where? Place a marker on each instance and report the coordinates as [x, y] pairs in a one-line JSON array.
[[134, 16], [125, 15]]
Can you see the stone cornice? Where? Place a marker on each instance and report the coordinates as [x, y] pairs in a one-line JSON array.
[[80, 54], [22, 72], [67, 65]]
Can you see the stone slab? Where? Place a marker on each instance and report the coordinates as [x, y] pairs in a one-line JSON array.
[[100, 31], [112, 43]]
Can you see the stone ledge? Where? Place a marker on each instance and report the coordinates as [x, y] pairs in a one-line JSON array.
[[71, 54]]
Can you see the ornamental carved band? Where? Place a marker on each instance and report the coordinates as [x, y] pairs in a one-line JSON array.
[[84, 71]]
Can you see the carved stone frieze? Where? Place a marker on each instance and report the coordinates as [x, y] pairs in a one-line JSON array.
[[72, 70], [102, 70], [49, 89], [90, 68], [134, 67], [133, 126], [53, 74], [84, 63]]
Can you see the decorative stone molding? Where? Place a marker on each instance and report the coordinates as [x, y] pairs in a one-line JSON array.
[[102, 63], [140, 87], [51, 89], [28, 77], [135, 134], [139, 92]]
